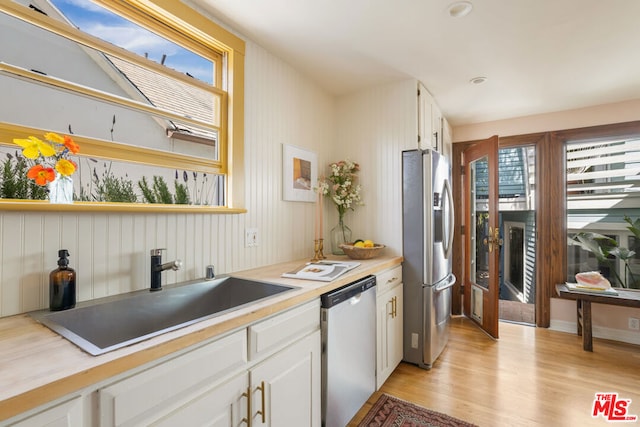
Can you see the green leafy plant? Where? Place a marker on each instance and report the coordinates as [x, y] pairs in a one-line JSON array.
[[109, 188], [159, 192], [14, 182], [604, 247], [182, 194], [106, 187], [117, 190]]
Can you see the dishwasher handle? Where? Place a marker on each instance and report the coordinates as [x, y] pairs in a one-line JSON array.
[[354, 300], [346, 292]]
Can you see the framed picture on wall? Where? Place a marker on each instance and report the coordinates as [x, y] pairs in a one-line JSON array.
[[299, 174]]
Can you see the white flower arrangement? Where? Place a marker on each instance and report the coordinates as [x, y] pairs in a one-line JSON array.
[[341, 186]]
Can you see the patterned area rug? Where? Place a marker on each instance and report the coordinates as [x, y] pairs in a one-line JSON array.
[[390, 411]]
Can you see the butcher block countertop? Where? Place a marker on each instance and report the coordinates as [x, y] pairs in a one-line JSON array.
[[38, 366]]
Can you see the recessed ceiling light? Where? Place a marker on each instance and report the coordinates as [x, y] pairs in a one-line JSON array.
[[459, 9], [478, 80]]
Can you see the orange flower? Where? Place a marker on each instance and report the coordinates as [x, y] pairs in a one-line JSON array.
[[71, 145], [41, 175]]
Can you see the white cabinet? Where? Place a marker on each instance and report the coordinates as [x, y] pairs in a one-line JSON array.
[[447, 139], [430, 121], [268, 372], [285, 387], [146, 397], [223, 405], [389, 302], [65, 414]]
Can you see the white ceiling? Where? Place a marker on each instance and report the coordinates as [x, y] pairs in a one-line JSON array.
[[538, 55]]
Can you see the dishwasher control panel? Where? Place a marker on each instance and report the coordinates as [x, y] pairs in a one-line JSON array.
[[347, 291]]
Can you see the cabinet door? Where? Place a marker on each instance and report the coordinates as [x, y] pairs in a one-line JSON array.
[[394, 329], [286, 386], [146, 396], [436, 128], [224, 405], [389, 318], [67, 414], [425, 123]]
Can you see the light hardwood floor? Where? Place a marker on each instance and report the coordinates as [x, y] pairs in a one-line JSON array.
[[529, 377]]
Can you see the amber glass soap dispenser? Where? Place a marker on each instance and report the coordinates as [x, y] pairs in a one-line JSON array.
[[62, 284]]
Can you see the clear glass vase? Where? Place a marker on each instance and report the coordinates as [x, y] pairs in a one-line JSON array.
[[339, 234], [61, 189]]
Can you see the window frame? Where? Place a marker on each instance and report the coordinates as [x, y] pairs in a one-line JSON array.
[[185, 26]]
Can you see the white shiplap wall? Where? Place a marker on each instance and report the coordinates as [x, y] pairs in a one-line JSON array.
[[110, 251], [374, 126]]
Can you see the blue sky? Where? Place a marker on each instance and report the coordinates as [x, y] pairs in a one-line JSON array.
[[101, 23]]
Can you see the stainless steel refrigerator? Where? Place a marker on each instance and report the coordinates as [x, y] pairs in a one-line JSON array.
[[428, 225]]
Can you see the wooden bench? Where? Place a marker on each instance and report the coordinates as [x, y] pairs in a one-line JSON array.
[[626, 298]]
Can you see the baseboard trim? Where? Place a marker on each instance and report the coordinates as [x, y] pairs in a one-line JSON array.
[[630, 337]]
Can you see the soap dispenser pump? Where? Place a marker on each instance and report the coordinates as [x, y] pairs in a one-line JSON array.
[[62, 284]]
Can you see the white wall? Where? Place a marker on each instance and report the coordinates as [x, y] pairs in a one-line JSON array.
[[591, 116], [374, 126], [110, 251]]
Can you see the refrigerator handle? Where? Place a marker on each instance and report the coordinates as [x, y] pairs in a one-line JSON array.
[[446, 284], [448, 233]]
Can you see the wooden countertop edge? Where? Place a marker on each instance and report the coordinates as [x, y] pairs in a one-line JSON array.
[[84, 378]]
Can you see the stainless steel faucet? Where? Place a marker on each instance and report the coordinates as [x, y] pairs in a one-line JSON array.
[[157, 267], [210, 273]]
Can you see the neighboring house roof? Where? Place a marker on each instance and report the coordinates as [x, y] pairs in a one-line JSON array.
[[158, 90], [174, 95]]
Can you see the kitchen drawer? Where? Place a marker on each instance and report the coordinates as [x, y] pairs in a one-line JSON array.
[[387, 279], [67, 414], [134, 400], [274, 333]]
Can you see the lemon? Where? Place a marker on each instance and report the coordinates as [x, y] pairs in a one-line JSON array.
[[368, 244], [359, 244]]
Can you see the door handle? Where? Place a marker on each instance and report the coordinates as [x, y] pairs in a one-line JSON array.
[[263, 412], [247, 420], [493, 239], [394, 307]]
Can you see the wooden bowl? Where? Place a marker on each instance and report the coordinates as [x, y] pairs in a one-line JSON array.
[[355, 252]]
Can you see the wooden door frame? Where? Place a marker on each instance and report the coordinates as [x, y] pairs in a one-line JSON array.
[[485, 149], [551, 213], [551, 248]]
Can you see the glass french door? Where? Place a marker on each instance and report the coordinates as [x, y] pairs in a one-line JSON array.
[[482, 235]]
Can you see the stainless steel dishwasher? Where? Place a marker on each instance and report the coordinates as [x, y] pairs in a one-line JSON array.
[[348, 319]]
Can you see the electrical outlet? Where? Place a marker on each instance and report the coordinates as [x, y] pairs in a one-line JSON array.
[[414, 340], [250, 237], [634, 324]]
